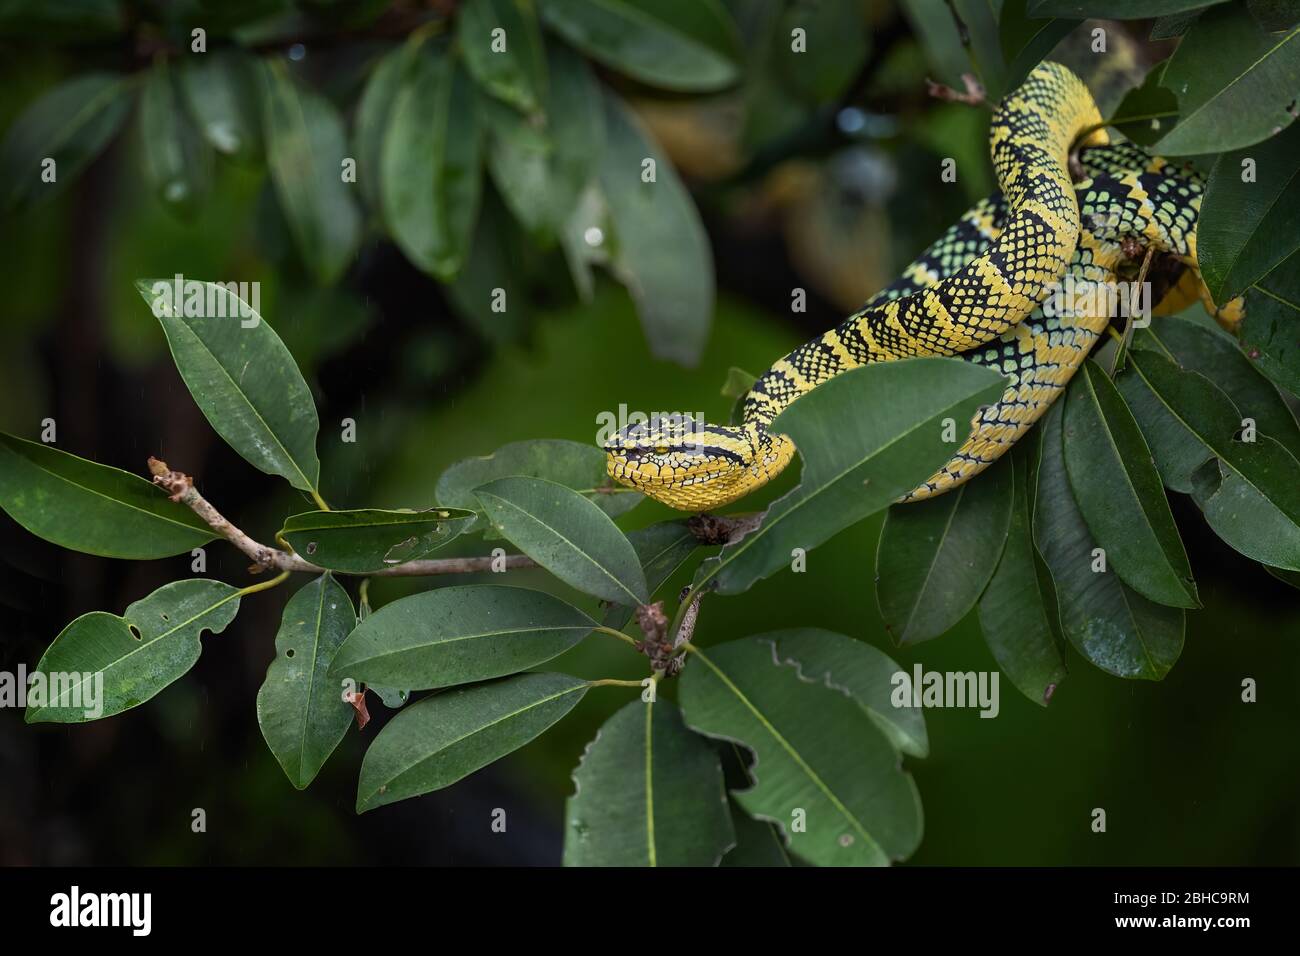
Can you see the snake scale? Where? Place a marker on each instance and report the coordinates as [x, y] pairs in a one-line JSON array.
[[980, 292]]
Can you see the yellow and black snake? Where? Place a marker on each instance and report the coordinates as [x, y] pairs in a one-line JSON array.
[[978, 292]]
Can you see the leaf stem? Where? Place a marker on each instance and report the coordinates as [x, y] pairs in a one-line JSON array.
[[264, 585], [615, 682], [180, 487], [614, 633], [320, 502]]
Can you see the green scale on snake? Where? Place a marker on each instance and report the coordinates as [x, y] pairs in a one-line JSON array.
[[983, 291]]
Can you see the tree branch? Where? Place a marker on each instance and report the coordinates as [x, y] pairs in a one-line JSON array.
[[180, 487]]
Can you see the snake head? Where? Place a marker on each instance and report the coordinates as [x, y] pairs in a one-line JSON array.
[[685, 463]]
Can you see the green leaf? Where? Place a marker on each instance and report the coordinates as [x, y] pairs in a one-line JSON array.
[[70, 125], [1248, 227], [661, 250], [1149, 111], [510, 65], [305, 150], [432, 744], [177, 162], [1252, 497], [153, 644], [936, 555], [457, 635], [661, 548], [1215, 355], [429, 168], [1110, 624], [982, 44], [566, 534], [835, 45], [1017, 611], [220, 89], [1119, 493], [686, 45], [489, 292], [1270, 334], [368, 540], [569, 463], [301, 711], [648, 792], [241, 376], [816, 751], [542, 170], [1274, 15], [89, 507], [1025, 41], [374, 115], [758, 842], [1234, 82], [855, 464], [859, 671]]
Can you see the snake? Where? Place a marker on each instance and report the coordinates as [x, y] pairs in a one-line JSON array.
[[987, 291]]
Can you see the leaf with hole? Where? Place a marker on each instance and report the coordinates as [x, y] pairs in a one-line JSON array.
[[648, 792], [89, 507], [444, 738], [368, 540], [300, 709], [135, 656]]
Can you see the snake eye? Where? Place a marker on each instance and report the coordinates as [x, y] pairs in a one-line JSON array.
[[661, 449]]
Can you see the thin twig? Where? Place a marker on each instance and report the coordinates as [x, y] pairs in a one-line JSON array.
[[180, 487]]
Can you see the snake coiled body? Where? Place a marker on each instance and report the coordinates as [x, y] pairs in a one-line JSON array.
[[977, 292]]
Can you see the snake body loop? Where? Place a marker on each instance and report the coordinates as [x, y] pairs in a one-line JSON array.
[[978, 292]]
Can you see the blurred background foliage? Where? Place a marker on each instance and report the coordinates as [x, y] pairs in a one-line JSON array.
[[821, 178]]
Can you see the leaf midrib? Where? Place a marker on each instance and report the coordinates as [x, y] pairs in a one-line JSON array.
[[792, 752], [579, 551], [275, 439]]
